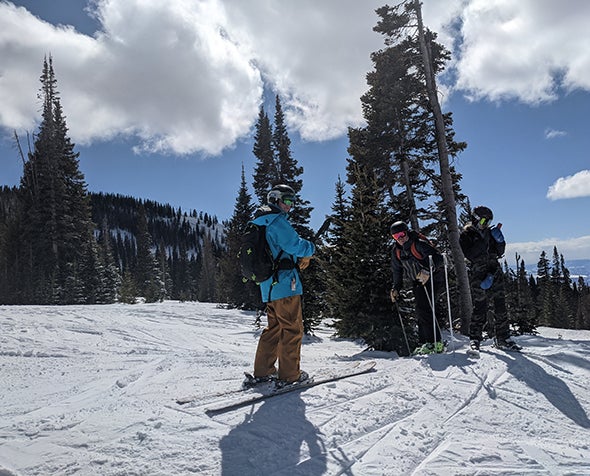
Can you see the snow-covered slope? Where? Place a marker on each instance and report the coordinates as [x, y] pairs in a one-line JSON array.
[[89, 390]]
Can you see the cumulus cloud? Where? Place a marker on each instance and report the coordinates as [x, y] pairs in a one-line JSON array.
[[571, 249], [523, 50], [164, 72], [185, 76], [572, 186]]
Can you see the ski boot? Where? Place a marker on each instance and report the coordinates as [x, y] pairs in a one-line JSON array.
[[250, 381]]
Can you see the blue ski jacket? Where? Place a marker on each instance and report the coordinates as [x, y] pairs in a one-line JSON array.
[[281, 236]]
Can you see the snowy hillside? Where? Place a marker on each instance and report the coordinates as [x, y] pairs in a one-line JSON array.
[[89, 390]]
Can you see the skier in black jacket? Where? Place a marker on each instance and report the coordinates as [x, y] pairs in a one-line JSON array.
[[411, 255], [483, 245]]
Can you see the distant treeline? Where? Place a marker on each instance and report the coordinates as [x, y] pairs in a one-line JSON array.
[[153, 251]]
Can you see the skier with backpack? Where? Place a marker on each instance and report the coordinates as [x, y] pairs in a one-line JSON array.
[[483, 245], [415, 256], [287, 254]]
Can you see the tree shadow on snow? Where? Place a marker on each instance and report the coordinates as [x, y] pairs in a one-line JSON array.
[[553, 388], [277, 439]]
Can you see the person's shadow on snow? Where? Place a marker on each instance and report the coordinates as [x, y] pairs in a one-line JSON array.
[[553, 388], [277, 439]]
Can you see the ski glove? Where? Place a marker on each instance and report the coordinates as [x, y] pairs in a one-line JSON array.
[[497, 234], [394, 295], [422, 277], [303, 262]]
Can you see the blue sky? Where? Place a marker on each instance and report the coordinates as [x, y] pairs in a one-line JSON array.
[[161, 98]]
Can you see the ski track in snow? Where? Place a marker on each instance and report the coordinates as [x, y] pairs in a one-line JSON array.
[[91, 390]]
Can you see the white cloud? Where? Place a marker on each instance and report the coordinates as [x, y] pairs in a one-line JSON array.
[[161, 71], [572, 186], [554, 134], [186, 76], [571, 249], [523, 49]]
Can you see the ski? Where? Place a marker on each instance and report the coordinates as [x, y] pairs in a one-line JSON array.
[[318, 378], [225, 393]]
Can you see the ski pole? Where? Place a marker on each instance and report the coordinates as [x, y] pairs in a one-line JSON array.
[[434, 322], [433, 309], [401, 323], [446, 264]]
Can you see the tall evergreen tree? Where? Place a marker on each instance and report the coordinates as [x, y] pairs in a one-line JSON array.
[[58, 248], [147, 276], [519, 299], [111, 279], [208, 273], [266, 172], [233, 290], [360, 281], [402, 25], [290, 172], [545, 298]]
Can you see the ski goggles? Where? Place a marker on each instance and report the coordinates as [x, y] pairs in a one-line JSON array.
[[289, 201], [399, 235], [483, 222]]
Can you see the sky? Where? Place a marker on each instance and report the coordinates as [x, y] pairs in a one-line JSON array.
[[91, 390], [161, 99]]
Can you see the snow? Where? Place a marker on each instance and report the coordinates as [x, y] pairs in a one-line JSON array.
[[90, 390]]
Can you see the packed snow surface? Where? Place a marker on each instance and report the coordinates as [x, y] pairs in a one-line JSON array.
[[90, 390]]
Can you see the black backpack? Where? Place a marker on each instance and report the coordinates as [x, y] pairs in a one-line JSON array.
[[256, 261]]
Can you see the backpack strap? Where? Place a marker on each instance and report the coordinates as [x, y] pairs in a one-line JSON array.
[[415, 253], [277, 260]]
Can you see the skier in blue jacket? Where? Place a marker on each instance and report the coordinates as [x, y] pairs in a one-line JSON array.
[[281, 339]]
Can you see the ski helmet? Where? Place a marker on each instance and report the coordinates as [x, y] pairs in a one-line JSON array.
[[281, 193], [398, 227], [482, 216]]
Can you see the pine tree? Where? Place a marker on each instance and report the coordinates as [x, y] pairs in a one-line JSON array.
[[545, 296], [128, 290], [235, 292], [330, 258], [359, 282], [403, 27], [163, 272], [58, 250], [147, 276], [208, 273], [110, 277], [519, 299], [290, 173], [266, 172]]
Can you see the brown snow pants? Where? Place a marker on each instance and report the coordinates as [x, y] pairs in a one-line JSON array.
[[281, 340]]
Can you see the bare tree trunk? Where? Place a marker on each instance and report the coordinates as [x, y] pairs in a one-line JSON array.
[[450, 207]]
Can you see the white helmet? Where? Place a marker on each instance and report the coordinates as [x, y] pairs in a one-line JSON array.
[[280, 193]]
